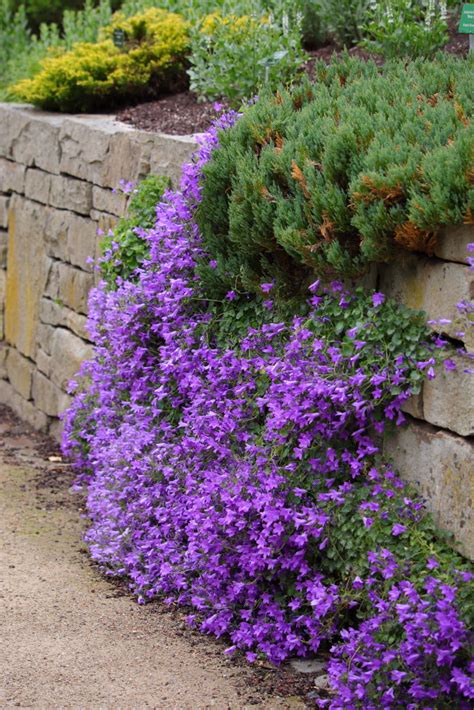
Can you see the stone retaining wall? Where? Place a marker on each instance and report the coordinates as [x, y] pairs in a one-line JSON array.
[[57, 174]]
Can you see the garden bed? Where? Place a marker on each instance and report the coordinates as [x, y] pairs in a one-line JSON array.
[[184, 114]]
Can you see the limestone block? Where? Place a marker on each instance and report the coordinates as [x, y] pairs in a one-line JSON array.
[[114, 203], [3, 361], [56, 428], [3, 249], [13, 124], [71, 238], [52, 284], [37, 185], [12, 176], [45, 337], [22, 408], [440, 465], [71, 194], [414, 406], [452, 242], [20, 371], [448, 400], [74, 286], [44, 363], [3, 286], [104, 221], [169, 153], [54, 313], [128, 159], [68, 353], [30, 137], [4, 211], [84, 149], [435, 287], [47, 397], [27, 272]]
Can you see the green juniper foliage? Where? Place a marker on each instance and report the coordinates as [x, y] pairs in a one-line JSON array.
[[332, 177]]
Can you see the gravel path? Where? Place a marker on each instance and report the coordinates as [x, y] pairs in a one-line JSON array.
[[69, 638]]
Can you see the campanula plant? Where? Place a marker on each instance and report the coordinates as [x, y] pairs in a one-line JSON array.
[[224, 474]]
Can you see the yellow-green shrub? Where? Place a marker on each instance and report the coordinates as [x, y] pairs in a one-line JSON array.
[[96, 76]]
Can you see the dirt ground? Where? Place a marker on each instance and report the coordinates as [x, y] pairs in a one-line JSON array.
[[71, 638]]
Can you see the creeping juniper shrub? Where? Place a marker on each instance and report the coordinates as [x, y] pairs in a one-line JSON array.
[[242, 477], [125, 247], [335, 176]]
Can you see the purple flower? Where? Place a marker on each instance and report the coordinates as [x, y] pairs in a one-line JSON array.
[[377, 299], [231, 295], [398, 529], [267, 287]]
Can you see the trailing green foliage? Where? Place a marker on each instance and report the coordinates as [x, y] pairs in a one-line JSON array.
[[331, 177], [126, 241]]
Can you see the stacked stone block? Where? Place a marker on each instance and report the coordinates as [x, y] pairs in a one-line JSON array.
[[58, 176], [435, 451]]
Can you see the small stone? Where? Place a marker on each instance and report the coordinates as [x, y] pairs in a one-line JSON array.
[[305, 665], [322, 682]]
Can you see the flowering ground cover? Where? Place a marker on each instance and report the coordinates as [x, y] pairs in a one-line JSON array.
[[230, 454]]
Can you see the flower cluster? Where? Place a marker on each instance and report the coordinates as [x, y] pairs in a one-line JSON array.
[[421, 669], [225, 478]]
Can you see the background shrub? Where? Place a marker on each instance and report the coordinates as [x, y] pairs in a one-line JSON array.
[[331, 177], [233, 57], [93, 76], [402, 27], [47, 11]]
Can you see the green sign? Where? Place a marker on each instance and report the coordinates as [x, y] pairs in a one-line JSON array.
[[466, 23], [119, 38]]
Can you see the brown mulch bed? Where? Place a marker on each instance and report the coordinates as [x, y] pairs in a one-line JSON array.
[[183, 114], [178, 114]]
